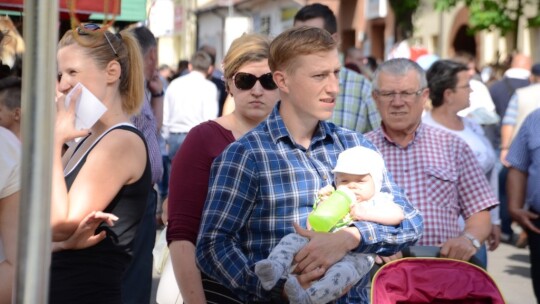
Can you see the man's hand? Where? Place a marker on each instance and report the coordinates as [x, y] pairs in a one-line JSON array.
[[494, 238], [524, 217], [502, 157], [154, 84], [459, 248], [85, 236], [324, 249], [385, 259], [306, 279]]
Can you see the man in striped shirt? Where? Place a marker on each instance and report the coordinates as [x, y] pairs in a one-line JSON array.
[[437, 170], [269, 179]]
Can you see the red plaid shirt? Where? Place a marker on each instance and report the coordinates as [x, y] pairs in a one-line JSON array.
[[440, 176]]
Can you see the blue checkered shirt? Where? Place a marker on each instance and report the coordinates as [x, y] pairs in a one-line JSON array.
[[355, 109], [524, 155], [264, 182]]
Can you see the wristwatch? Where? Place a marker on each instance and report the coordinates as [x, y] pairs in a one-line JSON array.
[[158, 94], [473, 240]]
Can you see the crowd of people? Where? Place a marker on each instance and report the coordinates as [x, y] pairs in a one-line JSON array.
[[233, 161]]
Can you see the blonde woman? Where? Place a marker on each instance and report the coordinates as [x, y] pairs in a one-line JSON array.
[[247, 79], [108, 170]]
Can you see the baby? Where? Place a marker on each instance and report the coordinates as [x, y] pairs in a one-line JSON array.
[[360, 170]]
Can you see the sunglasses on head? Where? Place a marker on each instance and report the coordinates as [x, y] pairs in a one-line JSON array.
[[246, 81], [85, 29]]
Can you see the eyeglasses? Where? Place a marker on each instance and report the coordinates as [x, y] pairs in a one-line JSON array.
[[92, 27], [406, 96], [246, 81]]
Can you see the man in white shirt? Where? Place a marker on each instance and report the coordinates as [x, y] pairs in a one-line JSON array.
[[189, 101]]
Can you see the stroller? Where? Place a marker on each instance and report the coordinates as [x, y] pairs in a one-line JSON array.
[[423, 277]]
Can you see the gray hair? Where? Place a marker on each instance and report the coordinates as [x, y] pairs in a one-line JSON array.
[[399, 66]]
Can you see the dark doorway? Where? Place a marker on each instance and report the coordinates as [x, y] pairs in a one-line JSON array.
[[464, 42], [377, 40]]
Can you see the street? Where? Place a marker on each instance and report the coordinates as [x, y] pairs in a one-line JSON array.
[[510, 268]]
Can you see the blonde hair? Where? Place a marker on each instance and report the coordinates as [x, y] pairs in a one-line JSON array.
[[128, 55], [245, 49], [298, 41], [12, 45]]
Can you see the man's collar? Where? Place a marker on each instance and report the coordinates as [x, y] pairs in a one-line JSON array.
[[278, 130], [417, 133], [518, 73]]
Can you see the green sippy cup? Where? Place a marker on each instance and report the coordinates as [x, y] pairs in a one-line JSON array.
[[332, 210]]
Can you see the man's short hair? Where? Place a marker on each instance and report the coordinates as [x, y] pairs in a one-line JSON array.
[[145, 38], [201, 61], [399, 66], [210, 50], [442, 75], [295, 42], [10, 92], [317, 10]]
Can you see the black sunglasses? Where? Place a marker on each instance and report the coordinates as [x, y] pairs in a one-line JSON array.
[[92, 27], [246, 81]]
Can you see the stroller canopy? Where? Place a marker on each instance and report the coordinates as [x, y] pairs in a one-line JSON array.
[[433, 280]]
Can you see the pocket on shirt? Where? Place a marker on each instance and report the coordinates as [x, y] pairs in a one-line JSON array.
[[534, 143], [441, 186]]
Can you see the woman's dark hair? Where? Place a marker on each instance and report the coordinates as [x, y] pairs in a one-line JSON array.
[[442, 75]]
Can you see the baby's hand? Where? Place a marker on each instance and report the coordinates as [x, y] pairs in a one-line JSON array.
[[358, 210], [325, 192]]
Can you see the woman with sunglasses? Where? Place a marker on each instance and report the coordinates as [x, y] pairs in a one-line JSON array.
[[107, 170], [249, 81]]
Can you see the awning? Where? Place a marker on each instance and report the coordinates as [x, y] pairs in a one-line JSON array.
[[131, 11], [81, 6]]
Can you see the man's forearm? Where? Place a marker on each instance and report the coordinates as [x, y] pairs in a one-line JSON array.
[[157, 109], [479, 225], [516, 184], [506, 136]]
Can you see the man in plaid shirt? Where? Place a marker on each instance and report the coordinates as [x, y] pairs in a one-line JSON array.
[[437, 169], [269, 179]]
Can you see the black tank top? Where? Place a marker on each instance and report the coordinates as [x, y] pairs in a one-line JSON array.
[[94, 274]]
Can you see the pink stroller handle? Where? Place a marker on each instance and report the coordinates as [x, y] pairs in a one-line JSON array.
[[432, 252]]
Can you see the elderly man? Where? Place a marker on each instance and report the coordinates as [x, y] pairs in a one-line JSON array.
[[437, 170]]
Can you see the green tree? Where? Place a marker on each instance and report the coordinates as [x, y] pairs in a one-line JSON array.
[[403, 12], [494, 14]]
